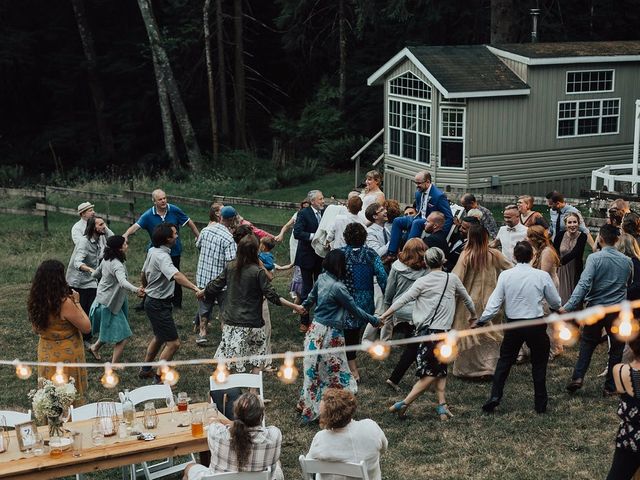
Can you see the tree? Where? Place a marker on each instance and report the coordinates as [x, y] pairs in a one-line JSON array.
[[504, 26], [239, 83], [97, 92], [211, 90], [165, 79], [222, 86]]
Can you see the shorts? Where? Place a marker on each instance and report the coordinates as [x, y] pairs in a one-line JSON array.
[[160, 315]]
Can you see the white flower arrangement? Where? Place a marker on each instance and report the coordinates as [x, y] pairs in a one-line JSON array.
[[51, 401]]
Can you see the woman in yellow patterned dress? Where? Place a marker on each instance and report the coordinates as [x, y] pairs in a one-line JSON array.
[[56, 316]]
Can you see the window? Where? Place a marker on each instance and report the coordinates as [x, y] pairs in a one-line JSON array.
[[452, 137], [408, 85], [592, 81], [588, 117], [409, 130]]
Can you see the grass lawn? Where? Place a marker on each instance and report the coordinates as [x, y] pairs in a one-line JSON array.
[[575, 440]]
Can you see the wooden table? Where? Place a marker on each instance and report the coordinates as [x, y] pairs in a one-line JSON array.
[[170, 441]]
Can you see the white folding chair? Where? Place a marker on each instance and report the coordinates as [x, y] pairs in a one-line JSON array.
[[241, 380], [167, 466], [239, 476], [311, 467], [13, 418]]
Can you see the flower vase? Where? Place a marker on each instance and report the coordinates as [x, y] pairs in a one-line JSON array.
[[55, 426]]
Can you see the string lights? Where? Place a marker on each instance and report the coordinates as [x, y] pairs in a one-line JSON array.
[[625, 327]]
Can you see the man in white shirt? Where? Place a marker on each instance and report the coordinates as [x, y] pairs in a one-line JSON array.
[[522, 290], [335, 235], [512, 232], [377, 235]]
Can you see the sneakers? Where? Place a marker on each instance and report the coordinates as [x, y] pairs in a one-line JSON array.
[[144, 373], [201, 339], [574, 385]]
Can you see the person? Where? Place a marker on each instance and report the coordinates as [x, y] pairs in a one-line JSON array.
[[377, 233], [511, 233], [410, 211], [478, 269], [343, 439], [521, 290], [363, 264], [307, 259], [335, 235], [267, 244], [458, 242], [628, 245], [626, 458], [371, 193], [216, 248], [233, 220], [241, 445], [85, 211], [85, 258], [603, 282], [404, 272], [57, 317], [559, 209], [110, 310], [293, 243], [158, 277], [569, 244], [469, 202], [631, 225], [332, 302], [247, 284], [435, 300], [164, 212], [528, 216], [436, 235], [428, 198]]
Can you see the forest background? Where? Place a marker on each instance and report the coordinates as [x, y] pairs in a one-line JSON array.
[[271, 91]]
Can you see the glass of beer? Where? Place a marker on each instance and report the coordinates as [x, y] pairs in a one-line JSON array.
[[183, 402], [197, 427]]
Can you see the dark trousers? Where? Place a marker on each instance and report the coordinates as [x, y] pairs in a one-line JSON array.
[[177, 292], [408, 354], [309, 276], [87, 296], [537, 340], [589, 340], [351, 337], [624, 466]]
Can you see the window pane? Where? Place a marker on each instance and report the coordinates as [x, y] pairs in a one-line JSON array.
[[408, 85], [587, 126], [451, 153], [591, 81], [394, 113], [423, 119], [394, 141], [409, 145], [424, 148], [566, 128], [409, 112], [609, 124]]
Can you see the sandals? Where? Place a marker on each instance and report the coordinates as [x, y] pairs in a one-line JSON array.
[[95, 354], [400, 408], [444, 412]]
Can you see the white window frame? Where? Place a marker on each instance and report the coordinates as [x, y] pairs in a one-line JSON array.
[[613, 81], [577, 102], [445, 137], [418, 102]]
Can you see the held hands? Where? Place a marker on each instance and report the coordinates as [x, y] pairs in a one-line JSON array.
[[299, 309], [200, 294], [381, 321], [278, 238], [473, 323], [140, 293]]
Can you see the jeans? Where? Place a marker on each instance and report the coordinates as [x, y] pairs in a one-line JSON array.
[[624, 466], [589, 340], [537, 340], [415, 226], [309, 276]]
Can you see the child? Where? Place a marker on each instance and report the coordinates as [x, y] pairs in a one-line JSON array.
[[266, 257]]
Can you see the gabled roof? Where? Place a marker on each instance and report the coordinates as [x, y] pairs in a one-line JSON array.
[[569, 52], [459, 71]]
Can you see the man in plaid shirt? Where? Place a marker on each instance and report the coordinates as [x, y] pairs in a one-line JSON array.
[[217, 248]]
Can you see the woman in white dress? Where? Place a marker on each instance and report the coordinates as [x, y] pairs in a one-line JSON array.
[[371, 193]]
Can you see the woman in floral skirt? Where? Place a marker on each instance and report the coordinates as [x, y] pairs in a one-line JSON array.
[[333, 302]]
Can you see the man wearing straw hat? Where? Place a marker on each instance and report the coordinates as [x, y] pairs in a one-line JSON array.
[[86, 211]]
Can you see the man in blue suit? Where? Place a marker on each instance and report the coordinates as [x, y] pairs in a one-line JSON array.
[[428, 199], [307, 259]]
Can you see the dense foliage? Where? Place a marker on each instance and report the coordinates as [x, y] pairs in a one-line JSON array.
[[305, 62]]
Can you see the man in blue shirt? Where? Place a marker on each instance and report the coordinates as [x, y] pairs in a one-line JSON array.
[[603, 282], [164, 212]]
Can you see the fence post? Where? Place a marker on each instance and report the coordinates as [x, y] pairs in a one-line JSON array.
[[45, 218]]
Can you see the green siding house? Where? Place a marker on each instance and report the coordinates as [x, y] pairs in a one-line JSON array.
[[518, 118]]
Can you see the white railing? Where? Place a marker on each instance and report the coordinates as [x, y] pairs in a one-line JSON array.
[[356, 156]]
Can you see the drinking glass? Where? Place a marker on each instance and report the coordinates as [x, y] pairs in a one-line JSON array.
[[77, 444], [183, 402], [38, 444], [171, 405], [211, 414], [55, 446], [97, 435], [197, 428]]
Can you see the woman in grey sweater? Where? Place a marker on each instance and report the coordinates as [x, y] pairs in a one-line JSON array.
[[110, 311], [435, 303]]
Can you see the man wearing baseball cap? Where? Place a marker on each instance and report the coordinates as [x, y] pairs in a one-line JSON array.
[[85, 210]]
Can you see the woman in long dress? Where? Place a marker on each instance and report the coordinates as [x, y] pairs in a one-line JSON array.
[[332, 301], [569, 244], [57, 317], [528, 216], [478, 268], [372, 192]]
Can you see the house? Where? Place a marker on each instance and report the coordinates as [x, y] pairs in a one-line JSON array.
[[517, 118]]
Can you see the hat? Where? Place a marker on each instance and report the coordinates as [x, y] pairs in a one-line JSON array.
[[84, 206], [228, 212]]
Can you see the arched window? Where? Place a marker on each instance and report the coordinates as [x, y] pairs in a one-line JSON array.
[[408, 85]]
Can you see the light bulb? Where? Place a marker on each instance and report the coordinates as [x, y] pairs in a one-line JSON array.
[[22, 371], [59, 378], [565, 333], [109, 379], [288, 371], [221, 374], [625, 327], [169, 375], [447, 350], [379, 350], [591, 316]]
